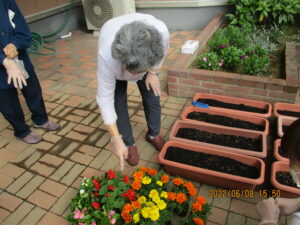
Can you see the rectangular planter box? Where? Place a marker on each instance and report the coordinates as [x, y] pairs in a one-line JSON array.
[[286, 191], [220, 130], [277, 156], [283, 121], [209, 176], [258, 104], [184, 81], [285, 106], [215, 111]]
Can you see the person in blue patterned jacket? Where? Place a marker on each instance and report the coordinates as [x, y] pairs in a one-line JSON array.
[[17, 72]]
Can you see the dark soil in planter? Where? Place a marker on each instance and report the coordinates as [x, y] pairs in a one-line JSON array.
[[221, 139], [285, 178], [282, 153], [289, 113], [223, 120], [241, 107], [211, 162]]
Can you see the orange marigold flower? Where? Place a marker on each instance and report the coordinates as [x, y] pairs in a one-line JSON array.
[[165, 178], [151, 172], [198, 221], [171, 196], [180, 198], [136, 185], [138, 175], [191, 188], [127, 217], [177, 181], [201, 200], [136, 204], [197, 207], [127, 208]]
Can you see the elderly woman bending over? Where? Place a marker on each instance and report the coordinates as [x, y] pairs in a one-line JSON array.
[[131, 48]]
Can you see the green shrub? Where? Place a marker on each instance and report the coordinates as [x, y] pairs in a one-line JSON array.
[[264, 11], [232, 57], [209, 61]]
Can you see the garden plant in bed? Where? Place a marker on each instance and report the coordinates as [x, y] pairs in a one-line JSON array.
[[254, 41]]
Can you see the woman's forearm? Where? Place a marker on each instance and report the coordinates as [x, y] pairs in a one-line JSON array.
[[113, 129]]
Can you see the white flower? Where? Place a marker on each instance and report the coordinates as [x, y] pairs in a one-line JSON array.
[[81, 191]]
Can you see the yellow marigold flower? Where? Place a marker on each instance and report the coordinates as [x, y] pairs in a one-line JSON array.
[[153, 193], [160, 183], [164, 195], [156, 199], [136, 218], [142, 200], [154, 214], [161, 205], [146, 180], [146, 212], [150, 204]]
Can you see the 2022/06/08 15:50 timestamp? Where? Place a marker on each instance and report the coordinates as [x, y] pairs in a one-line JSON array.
[[247, 193]]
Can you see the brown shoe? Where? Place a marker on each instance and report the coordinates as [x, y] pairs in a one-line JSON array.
[[157, 141], [133, 156]]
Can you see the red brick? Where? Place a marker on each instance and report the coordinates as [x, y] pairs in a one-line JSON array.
[[53, 188], [237, 89], [177, 86], [172, 80], [225, 93], [213, 85], [177, 74], [282, 95], [42, 199], [251, 84], [226, 80], [172, 92], [274, 87], [261, 92], [189, 82], [246, 96], [198, 89], [203, 76], [289, 89], [9, 201]]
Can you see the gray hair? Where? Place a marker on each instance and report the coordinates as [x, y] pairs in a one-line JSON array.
[[138, 46]]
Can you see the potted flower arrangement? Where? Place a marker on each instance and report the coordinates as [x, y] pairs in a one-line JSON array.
[[148, 197], [100, 200]]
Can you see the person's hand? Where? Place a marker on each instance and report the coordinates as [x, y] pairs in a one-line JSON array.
[[288, 206], [10, 51], [15, 74], [119, 149], [153, 82], [268, 211]]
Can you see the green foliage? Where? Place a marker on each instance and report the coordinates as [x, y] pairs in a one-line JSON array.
[[232, 57], [209, 61], [264, 11], [256, 62]]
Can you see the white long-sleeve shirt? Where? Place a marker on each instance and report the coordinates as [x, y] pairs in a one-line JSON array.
[[109, 69]]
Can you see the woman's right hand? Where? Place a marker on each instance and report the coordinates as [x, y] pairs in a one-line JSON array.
[[15, 74], [288, 206], [119, 149]]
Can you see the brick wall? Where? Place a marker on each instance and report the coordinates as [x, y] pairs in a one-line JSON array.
[[186, 82]]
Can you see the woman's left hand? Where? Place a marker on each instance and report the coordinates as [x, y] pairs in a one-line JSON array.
[[153, 82], [10, 51]]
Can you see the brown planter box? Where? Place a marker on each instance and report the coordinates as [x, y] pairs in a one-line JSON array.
[[286, 191], [261, 105], [209, 176], [184, 81], [285, 106], [277, 156], [220, 130], [216, 111]]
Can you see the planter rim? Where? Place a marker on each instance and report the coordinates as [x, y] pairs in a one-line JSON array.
[[278, 185], [284, 120], [230, 114], [285, 106], [262, 154], [191, 147], [277, 156], [238, 100]]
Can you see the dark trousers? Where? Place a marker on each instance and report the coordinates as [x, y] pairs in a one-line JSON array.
[[151, 105], [11, 109]]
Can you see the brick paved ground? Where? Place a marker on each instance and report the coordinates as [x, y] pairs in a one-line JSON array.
[[38, 181]]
